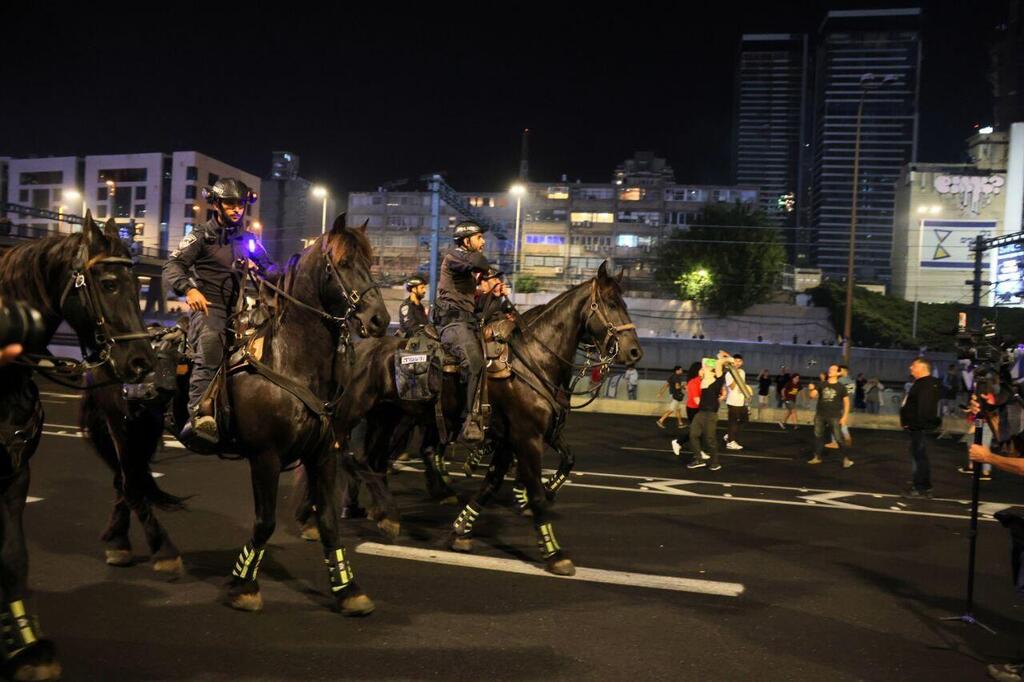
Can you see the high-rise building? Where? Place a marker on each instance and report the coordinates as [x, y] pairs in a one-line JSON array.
[[868, 59], [291, 214], [771, 129]]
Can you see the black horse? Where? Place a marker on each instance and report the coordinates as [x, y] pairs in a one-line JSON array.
[[528, 409], [282, 406], [85, 279]]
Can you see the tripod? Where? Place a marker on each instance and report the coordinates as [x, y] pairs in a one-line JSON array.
[[968, 615]]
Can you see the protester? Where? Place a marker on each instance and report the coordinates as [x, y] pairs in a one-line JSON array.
[[632, 381], [873, 395], [831, 414], [918, 415], [780, 384], [692, 405], [676, 386], [790, 392], [703, 436], [858, 393], [764, 389], [736, 402]]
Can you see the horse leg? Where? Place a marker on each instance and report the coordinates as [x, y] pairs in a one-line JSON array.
[[305, 512], [322, 473], [118, 546], [243, 590], [462, 529], [27, 655], [566, 462], [377, 449], [529, 475]]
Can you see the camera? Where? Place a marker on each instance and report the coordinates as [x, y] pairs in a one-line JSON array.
[[21, 323], [992, 355]]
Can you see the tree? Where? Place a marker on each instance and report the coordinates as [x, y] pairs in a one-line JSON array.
[[729, 261], [527, 284]]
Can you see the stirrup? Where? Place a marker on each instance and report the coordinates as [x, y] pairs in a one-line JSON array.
[[205, 428], [471, 432]]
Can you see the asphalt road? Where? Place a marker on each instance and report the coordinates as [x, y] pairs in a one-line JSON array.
[[841, 579]]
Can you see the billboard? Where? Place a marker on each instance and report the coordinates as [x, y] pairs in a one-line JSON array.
[[947, 243], [1006, 283]]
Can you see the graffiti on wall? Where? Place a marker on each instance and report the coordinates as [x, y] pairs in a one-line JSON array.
[[974, 191]]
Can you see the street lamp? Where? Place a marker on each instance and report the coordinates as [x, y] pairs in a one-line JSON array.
[[867, 82], [320, 192], [72, 196], [517, 190]]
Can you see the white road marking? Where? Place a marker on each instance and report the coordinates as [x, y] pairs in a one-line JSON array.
[[31, 499], [61, 395], [720, 454], [157, 474], [594, 575], [171, 443], [61, 433]]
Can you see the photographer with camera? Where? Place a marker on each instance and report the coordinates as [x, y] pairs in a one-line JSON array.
[[21, 327]]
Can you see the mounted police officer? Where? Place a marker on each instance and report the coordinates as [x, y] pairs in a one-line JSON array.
[[209, 269], [412, 314], [455, 313]]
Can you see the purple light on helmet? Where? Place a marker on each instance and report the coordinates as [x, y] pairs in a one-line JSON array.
[[252, 246]]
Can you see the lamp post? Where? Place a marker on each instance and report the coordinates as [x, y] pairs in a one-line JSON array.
[[867, 82], [320, 192], [72, 196], [517, 190]]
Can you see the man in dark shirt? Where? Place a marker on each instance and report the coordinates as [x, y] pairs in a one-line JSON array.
[[208, 268], [919, 415], [676, 386], [412, 314], [704, 426], [832, 413], [455, 313], [780, 384]]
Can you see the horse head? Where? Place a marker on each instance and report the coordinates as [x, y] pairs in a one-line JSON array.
[[608, 325], [100, 301], [353, 290]]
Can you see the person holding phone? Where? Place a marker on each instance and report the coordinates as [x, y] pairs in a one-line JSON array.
[[704, 429]]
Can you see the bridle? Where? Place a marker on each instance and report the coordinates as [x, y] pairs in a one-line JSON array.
[[612, 331]]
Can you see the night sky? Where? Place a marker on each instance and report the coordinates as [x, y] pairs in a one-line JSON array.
[[369, 98]]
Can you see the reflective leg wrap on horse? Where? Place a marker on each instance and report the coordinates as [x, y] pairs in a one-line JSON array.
[[248, 563], [339, 571], [463, 525], [522, 497], [547, 542], [20, 631]]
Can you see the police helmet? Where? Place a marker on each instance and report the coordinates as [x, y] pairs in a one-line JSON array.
[[466, 229], [414, 282], [230, 189]]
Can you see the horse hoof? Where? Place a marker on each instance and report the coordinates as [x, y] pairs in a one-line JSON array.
[[173, 567], [36, 662], [390, 528], [357, 605], [247, 601], [462, 544], [119, 557], [561, 567], [310, 533]]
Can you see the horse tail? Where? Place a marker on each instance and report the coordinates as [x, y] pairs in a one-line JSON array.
[[139, 481]]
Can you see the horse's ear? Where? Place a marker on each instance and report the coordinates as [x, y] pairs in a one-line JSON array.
[[90, 230], [362, 228], [339, 224], [602, 272], [110, 229], [621, 273]]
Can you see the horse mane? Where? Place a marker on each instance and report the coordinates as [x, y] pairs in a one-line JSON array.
[[28, 271], [347, 243]]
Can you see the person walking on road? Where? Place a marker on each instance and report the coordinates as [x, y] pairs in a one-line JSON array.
[[790, 392], [632, 381], [832, 413], [703, 430], [781, 381], [764, 389], [676, 386], [919, 415], [692, 405], [873, 395], [736, 402]]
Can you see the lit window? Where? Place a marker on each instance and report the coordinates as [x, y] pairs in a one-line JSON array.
[[626, 240], [632, 194], [558, 192], [581, 217], [140, 210]]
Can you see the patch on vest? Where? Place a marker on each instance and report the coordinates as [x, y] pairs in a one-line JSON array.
[[412, 359], [185, 243]]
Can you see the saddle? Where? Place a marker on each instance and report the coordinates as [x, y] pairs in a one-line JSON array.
[[496, 350]]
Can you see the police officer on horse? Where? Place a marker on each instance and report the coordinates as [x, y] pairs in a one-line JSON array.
[[412, 314], [456, 315], [209, 268]]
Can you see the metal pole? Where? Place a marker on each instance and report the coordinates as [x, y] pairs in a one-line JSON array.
[[435, 229], [913, 328], [979, 255], [515, 246], [323, 218], [848, 324]]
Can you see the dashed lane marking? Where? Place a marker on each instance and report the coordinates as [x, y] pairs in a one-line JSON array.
[[594, 575], [50, 394], [31, 499]]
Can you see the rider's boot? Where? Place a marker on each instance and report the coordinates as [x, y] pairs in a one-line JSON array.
[[473, 423], [203, 425]]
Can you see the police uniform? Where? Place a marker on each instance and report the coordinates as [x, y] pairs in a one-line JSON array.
[[411, 317], [456, 316], [206, 260]]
